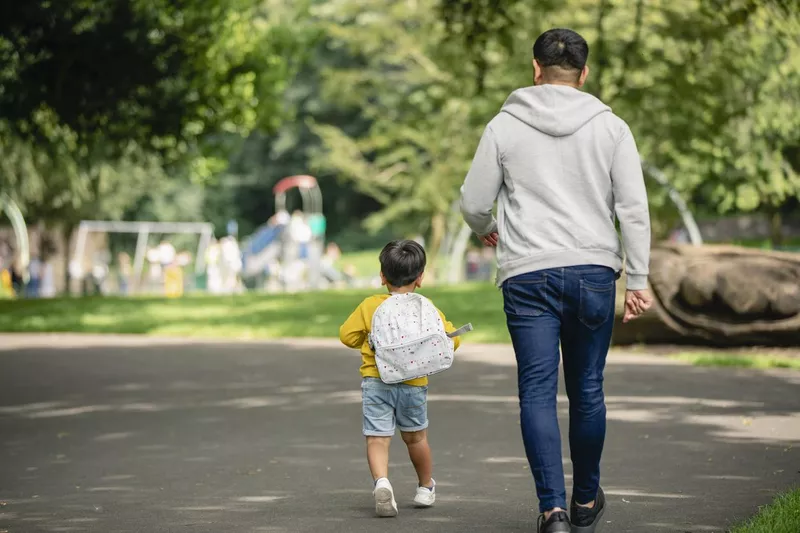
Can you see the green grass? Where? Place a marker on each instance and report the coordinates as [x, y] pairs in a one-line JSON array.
[[744, 360], [365, 262], [248, 316], [766, 244], [781, 516]]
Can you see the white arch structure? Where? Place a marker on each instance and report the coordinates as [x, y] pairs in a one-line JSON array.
[[14, 214]]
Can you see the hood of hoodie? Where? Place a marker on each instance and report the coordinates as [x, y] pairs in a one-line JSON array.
[[556, 110]]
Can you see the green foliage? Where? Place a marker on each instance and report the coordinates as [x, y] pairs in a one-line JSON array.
[[418, 146], [244, 191], [740, 360], [710, 88], [101, 100], [242, 316], [121, 108]]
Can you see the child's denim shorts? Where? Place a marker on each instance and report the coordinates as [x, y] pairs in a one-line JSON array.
[[386, 406]]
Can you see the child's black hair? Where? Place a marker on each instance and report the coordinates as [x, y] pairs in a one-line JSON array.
[[402, 262]]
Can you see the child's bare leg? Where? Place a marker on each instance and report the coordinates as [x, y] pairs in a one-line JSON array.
[[420, 453], [378, 456]]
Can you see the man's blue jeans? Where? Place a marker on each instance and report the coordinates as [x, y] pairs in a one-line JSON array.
[[573, 307]]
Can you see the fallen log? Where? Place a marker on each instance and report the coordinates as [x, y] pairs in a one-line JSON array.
[[720, 296]]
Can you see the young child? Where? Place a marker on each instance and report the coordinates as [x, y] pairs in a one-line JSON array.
[[404, 405]]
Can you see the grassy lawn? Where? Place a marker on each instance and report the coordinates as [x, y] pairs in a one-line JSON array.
[[782, 516], [365, 262], [242, 316], [310, 314], [741, 360]]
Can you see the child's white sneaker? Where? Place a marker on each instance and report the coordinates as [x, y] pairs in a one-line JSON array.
[[385, 505], [425, 496]]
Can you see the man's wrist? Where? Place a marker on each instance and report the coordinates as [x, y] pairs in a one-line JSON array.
[[637, 282], [491, 229]]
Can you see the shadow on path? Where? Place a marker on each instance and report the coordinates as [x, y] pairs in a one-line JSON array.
[[266, 437]]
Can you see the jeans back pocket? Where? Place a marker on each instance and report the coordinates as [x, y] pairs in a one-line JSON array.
[[597, 302], [526, 296]]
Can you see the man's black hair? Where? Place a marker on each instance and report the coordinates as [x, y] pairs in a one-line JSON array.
[[402, 262], [563, 48]]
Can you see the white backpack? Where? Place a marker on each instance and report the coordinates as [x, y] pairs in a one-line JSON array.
[[409, 339]]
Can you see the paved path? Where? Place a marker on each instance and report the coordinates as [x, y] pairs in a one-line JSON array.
[[130, 435]]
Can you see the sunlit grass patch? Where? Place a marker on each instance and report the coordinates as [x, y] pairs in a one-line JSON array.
[[740, 360], [781, 516], [247, 316]]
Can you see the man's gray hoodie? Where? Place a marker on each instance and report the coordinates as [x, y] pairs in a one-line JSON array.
[[560, 165]]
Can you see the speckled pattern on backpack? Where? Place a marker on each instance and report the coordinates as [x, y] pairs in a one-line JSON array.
[[409, 339]]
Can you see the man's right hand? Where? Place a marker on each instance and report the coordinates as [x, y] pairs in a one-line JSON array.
[[490, 239], [636, 303]]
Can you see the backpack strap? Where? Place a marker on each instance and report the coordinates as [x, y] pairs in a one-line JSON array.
[[466, 328]]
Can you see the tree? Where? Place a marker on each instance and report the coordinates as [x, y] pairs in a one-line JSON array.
[[754, 164], [244, 190], [709, 87], [420, 138], [101, 99]]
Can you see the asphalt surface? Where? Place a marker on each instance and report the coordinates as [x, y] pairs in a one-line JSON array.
[[130, 435]]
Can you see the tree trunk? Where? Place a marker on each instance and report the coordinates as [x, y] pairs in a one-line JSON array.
[[438, 228], [631, 48], [776, 229], [66, 231], [720, 296], [601, 56]]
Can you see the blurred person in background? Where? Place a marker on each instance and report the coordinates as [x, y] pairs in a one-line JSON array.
[[328, 264], [48, 284], [99, 273], [231, 263], [48, 289], [34, 277], [300, 233], [124, 273], [5, 255], [486, 265], [473, 260], [17, 281], [166, 254], [213, 269], [5, 269], [154, 271]]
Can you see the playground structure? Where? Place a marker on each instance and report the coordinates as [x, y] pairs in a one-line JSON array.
[[143, 231], [287, 250]]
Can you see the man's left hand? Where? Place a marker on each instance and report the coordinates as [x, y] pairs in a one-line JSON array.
[[490, 239]]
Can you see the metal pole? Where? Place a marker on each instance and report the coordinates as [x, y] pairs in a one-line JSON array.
[[76, 266], [308, 206], [686, 215], [141, 252], [316, 196], [457, 257], [202, 246]]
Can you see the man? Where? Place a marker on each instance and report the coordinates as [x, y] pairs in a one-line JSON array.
[[560, 165]]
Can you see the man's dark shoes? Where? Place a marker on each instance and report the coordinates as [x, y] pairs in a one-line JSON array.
[[586, 520], [557, 523]]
